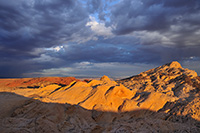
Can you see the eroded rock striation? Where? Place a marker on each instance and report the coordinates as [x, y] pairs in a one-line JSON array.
[[163, 99], [169, 88]]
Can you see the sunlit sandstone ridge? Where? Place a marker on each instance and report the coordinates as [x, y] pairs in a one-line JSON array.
[[169, 90]]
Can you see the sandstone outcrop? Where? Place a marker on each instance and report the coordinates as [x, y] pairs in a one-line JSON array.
[[163, 99], [169, 88]]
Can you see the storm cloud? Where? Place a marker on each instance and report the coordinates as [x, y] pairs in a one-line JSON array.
[[45, 37]]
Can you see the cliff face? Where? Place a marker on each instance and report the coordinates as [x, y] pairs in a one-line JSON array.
[[163, 99]]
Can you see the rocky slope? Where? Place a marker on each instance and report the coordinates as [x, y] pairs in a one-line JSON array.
[[164, 99], [169, 88]]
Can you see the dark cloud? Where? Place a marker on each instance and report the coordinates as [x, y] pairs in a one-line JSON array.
[[99, 32], [28, 25], [153, 15], [41, 24]]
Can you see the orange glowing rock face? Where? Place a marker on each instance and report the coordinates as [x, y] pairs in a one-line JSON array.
[[168, 93], [24, 82]]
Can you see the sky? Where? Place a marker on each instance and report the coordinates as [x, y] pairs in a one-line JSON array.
[[91, 38]]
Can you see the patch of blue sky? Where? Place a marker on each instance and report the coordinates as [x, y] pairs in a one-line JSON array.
[[84, 2], [108, 6], [113, 2], [106, 9]]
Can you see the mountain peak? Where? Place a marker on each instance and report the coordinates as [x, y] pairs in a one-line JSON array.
[[175, 64], [105, 78]]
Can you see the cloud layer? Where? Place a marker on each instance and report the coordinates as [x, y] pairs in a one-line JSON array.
[[45, 37]]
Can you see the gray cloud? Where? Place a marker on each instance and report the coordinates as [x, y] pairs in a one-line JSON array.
[[40, 24], [129, 32], [29, 25], [133, 15]]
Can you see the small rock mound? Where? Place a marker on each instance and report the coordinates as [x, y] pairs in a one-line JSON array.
[[105, 78], [174, 64]]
